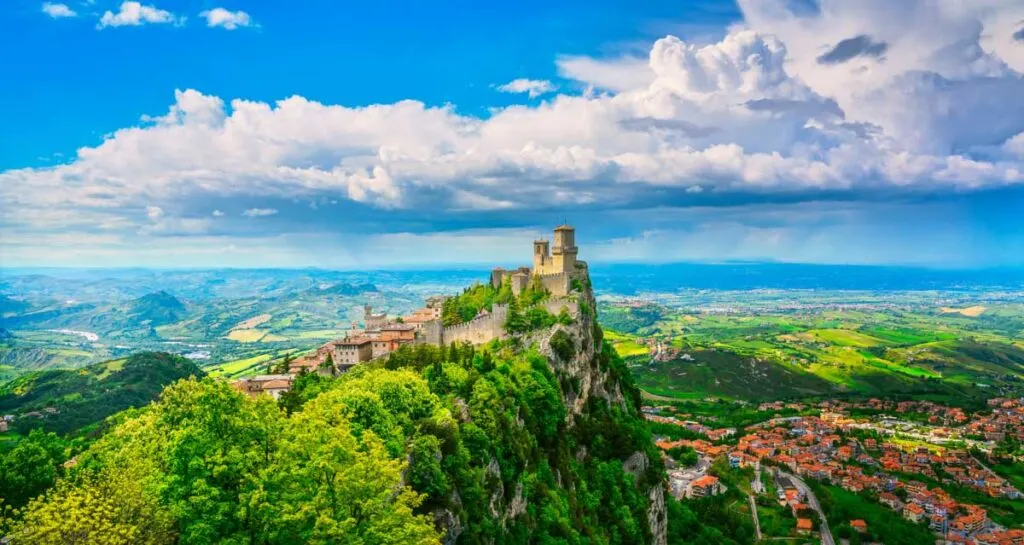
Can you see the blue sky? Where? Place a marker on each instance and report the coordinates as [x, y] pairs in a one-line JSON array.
[[187, 133]]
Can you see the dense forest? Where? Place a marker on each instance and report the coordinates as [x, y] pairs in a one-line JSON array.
[[533, 439], [66, 400]]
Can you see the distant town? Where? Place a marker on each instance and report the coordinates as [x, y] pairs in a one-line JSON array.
[[896, 451]]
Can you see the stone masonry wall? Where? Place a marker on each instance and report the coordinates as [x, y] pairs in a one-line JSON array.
[[479, 330]]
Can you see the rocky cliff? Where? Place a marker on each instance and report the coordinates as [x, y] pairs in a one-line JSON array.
[[601, 425]]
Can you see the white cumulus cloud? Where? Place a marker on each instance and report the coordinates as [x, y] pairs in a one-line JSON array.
[[58, 11], [533, 87], [230, 20], [914, 96], [134, 14]]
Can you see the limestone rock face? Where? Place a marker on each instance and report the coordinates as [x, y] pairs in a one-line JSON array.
[[582, 371], [657, 516]]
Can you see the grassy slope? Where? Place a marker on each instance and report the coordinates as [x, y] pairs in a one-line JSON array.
[[88, 395], [870, 353], [726, 374]]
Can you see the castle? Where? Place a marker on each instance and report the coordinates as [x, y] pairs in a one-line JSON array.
[[553, 266]]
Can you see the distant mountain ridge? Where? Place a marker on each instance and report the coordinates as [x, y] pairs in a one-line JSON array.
[[345, 288]]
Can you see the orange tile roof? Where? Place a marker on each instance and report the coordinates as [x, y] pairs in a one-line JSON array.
[[707, 480]]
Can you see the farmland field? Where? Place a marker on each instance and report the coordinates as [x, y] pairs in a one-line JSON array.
[[768, 345]]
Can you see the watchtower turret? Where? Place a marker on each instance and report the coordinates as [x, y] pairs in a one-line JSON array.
[[564, 251], [541, 256]]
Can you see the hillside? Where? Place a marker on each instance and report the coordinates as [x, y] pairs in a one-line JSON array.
[[533, 438], [156, 308], [64, 401], [345, 288], [776, 345]]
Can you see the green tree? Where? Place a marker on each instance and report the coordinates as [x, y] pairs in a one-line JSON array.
[[325, 486], [515, 322], [562, 345], [113, 507], [30, 467], [305, 387], [205, 444], [281, 367], [328, 365]]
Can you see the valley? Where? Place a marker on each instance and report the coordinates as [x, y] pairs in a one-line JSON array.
[[779, 344], [232, 322]]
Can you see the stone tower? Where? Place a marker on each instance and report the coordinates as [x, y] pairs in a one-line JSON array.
[[371, 320], [541, 257], [565, 250]]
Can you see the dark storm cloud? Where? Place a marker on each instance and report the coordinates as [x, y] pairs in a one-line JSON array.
[[850, 48]]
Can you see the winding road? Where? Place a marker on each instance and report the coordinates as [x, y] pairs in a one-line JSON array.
[[812, 500]]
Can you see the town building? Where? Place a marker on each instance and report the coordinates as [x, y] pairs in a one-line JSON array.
[[705, 486], [372, 320], [351, 351], [272, 385]]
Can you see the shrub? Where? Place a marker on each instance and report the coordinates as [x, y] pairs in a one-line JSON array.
[[562, 345]]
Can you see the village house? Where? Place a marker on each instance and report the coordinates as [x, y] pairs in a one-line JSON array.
[[705, 486], [272, 385]]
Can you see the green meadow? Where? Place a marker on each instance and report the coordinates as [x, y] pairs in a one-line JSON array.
[[779, 354]]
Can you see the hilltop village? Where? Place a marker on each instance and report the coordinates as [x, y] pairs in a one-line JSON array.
[[555, 267]]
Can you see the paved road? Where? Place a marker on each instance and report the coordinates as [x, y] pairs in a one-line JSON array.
[[812, 500], [757, 523], [756, 484]]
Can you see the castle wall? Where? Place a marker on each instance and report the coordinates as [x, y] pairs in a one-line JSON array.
[[541, 255], [519, 283], [557, 283], [479, 330], [555, 305], [498, 276], [433, 332]]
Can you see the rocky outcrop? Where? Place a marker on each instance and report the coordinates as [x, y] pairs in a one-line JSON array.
[[657, 516], [580, 373], [582, 377], [573, 353]]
